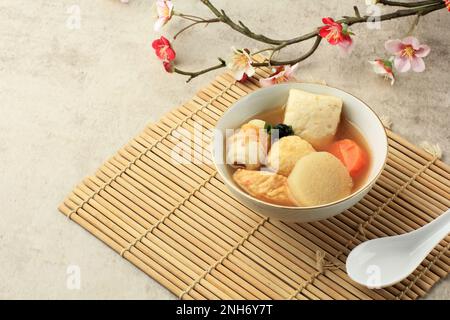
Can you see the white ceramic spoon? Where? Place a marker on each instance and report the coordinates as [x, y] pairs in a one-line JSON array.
[[383, 262]]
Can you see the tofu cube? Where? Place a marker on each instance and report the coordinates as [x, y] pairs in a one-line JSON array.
[[313, 117]]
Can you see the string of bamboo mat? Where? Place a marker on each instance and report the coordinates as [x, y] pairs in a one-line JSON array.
[[181, 226]]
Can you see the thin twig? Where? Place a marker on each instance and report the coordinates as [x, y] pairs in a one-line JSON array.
[[293, 61], [413, 25], [193, 74], [188, 16], [355, 8], [272, 49], [193, 24], [263, 50]]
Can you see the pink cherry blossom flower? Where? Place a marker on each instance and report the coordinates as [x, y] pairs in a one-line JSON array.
[[408, 54], [384, 68], [280, 74], [164, 9], [241, 64]]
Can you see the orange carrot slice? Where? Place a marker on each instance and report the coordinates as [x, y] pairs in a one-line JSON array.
[[351, 155]]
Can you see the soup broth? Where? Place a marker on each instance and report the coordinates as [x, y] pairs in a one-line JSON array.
[[345, 130]]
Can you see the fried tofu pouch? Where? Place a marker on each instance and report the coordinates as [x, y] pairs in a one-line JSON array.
[[285, 152], [265, 186], [313, 117], [319, 178]]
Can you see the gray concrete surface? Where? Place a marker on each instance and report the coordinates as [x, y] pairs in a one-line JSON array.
[[70, 98]]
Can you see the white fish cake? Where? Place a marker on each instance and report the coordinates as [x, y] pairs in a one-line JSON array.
[[313, 117], [319, 178], [285, 152], [265, 186]]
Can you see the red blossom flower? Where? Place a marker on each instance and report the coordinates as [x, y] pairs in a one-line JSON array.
[[163, 49], [336, 34], [244, 78], [447, 3], [168, 66]]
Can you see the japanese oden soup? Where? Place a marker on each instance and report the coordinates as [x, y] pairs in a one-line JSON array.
[[305, 153]]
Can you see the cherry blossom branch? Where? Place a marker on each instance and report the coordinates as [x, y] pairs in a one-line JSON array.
[[407, 4], [193, 74], [242, 28], [414, 8]]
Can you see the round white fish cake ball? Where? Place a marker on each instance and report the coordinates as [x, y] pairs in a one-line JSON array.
[[285, 153], [319, 178]]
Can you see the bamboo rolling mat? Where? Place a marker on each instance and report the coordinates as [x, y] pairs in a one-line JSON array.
[[181, 226]]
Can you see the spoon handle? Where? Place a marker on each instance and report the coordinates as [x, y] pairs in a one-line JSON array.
[[440, 226], [431, 234]]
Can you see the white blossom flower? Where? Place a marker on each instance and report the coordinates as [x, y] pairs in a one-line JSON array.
[[241, 64]]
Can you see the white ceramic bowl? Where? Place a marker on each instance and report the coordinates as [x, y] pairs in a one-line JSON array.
[[272, 97]]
